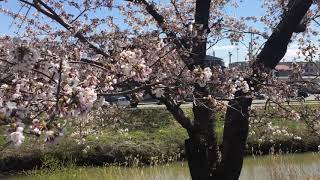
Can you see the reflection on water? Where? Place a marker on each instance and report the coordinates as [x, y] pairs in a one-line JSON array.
[[282, 167], [274, 167]]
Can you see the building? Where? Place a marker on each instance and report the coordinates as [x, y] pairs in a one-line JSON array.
[[285, 69], [242, 65], [311, 69], [210, 61], [282, 70]]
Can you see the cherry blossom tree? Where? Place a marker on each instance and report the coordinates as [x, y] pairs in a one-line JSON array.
[[72, 54]]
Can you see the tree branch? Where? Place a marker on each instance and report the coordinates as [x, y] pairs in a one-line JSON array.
[[59, 84], [150, 8], [175, 110], [97, 65], [49, 12], [237, 125], [130, 91], [276, 45]]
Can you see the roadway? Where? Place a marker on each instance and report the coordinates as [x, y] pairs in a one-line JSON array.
[[256, 103]]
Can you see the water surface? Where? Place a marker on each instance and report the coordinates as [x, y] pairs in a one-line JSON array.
[[271, 167]]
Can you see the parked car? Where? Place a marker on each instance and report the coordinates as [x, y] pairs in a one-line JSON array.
[[260, 96], [299, 94], [118, 100], [302, 93], [133, 103], [122, 101]]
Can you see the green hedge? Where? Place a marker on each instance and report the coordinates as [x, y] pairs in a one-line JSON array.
[[153, 137]]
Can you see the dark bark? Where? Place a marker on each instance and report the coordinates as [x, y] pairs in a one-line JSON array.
[[199, 43], [235, 134], [197, 156], [236, 120], [204, 124], [201, 148], [276, 45]]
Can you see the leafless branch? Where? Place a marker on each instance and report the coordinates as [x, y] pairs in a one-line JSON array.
[[90, 64], [131, 90], [49, 12], [151, 9], [78, 16], [178, 14], [42, 73], [59, 84]]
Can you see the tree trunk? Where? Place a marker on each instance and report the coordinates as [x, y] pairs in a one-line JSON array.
[[235, 135], [197, 156], [236, 120], [201, 147]]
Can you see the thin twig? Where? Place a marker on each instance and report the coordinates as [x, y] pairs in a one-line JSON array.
[[59, 84], [130, 91]]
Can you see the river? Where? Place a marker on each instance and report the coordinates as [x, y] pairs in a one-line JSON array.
[[272, 167]]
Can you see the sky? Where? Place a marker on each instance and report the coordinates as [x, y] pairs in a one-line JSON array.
[[222, 49], [5, 21]]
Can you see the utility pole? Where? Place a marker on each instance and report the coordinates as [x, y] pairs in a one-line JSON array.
[[251, 46], [237, 54], [230, 54]]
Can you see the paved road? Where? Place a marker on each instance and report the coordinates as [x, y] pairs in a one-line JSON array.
[[255, 103]]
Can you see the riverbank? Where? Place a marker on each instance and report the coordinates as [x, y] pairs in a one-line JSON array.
[[144, 137], [276, 167]]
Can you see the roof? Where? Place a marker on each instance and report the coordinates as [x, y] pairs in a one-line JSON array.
[[212, 58], [240, 63], [281, 67]]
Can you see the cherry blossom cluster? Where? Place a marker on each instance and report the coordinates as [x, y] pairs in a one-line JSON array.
[[133, 65], [242, 85], [66, 72], [202, 76]]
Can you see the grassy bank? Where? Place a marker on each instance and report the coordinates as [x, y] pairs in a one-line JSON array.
[[276, 167], [143, 136], [137, 137]]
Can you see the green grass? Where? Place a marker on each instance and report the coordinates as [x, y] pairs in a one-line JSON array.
[[2, 138], [153, 137], [275, 167]]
